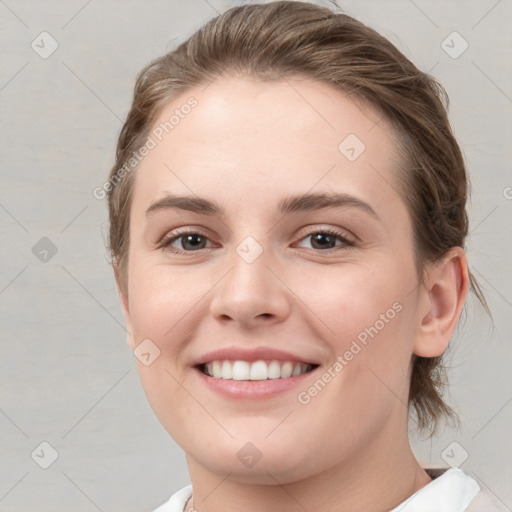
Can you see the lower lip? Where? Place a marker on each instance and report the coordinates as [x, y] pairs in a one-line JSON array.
[[256, 389]]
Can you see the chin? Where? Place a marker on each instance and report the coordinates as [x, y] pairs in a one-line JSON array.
[[246, 462]]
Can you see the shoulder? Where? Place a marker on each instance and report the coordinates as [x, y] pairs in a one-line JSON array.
[[486, 502], [463, 492], [177, 501]]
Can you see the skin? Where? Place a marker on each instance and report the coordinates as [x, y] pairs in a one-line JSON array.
[[247, 145]]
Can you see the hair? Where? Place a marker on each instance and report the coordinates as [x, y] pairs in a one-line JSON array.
[[288, 39]]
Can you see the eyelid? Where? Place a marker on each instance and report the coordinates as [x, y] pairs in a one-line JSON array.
[[346, 236], [165, 241]]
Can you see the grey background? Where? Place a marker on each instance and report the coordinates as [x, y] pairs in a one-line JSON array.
[[67, 376]]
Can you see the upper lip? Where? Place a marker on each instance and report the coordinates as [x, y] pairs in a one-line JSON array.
[[250, 355]]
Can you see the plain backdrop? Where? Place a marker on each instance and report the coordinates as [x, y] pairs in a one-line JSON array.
[[67, 376]]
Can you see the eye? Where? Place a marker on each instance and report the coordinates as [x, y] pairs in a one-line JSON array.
[[186, 241], [193, 241], [325, 239]]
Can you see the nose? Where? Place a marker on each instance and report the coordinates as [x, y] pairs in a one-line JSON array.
[[251, 295]]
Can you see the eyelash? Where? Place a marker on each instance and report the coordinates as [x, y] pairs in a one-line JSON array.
[[165, 243]]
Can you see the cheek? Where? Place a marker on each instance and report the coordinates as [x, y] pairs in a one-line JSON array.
[[163, 305], [369, 314], [161, 301], [352, 298], [365, 313]]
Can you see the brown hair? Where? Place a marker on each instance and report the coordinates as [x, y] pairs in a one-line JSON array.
[[287, 39]]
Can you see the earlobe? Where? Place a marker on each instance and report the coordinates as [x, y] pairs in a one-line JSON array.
[[445, 290]]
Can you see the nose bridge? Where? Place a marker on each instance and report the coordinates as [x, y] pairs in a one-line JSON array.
[[250, 290], [249, 269], [248, 279]]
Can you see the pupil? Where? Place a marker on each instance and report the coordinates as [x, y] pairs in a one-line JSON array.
[[323, 240], [193, 240]]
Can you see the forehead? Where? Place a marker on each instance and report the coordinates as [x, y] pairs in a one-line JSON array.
[[244, 139]]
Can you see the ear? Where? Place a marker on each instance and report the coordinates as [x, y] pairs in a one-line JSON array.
[[445, 289], [122, 290]]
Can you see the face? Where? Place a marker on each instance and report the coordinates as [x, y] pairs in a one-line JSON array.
[[268, 236]]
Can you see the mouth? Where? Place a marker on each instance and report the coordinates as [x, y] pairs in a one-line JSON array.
[[261, 370], [257, 373]]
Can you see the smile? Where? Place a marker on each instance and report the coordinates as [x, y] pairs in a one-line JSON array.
[[255, 371]]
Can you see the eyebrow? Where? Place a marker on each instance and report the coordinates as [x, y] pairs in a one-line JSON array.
[[290, 204]]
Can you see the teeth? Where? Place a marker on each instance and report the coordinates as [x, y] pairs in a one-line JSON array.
[[297, 370], [217, 369], [258, 370], [274, 370], [227, 372], [286, 370], [241, 370]]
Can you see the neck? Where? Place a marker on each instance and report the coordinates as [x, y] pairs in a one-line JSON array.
[[377, 478]]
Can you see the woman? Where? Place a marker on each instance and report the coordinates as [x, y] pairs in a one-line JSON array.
[[288, 220]]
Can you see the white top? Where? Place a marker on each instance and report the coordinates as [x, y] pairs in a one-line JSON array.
[[453, 491]]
